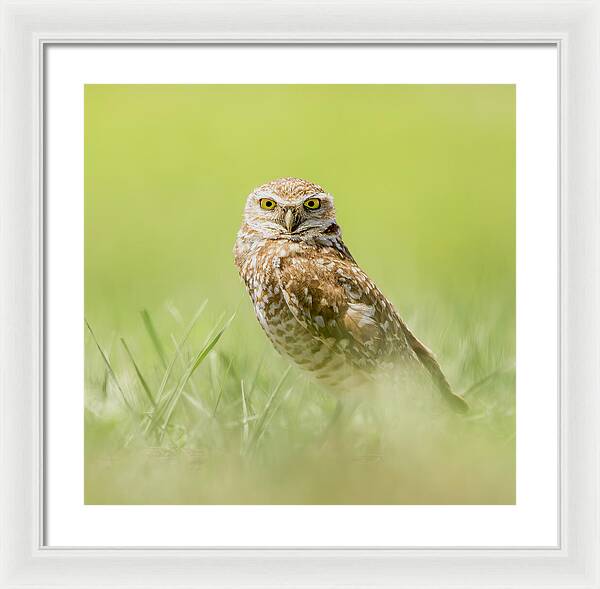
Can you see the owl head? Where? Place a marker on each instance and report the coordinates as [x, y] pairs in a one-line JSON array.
[[290, 208]]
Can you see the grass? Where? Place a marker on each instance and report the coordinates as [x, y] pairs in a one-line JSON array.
[[191, 414]]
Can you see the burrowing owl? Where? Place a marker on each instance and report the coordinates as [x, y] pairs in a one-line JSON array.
[[312, 299]]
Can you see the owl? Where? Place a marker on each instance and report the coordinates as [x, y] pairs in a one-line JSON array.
[[314, 302]]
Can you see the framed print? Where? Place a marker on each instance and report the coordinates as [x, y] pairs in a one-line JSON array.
[[293, 296]]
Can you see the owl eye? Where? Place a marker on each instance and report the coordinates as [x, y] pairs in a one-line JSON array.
[[312, 203], [267, 204]]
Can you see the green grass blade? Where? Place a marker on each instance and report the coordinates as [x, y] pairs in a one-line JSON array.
[[177, 349], [109, 367], [274, 410], [245, 425], [139, 373], [174, 311], [485, 380], [255, 379], [149, 325], [169, 369], [220, 394], [196, 404], [105, 379], [235, 375], [168, 405], [260, 428], [193, 397]]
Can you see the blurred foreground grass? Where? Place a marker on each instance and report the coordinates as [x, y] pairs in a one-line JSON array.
[[424, 180], [232, 423]]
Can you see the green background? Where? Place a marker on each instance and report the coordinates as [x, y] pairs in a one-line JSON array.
[[424, 182]]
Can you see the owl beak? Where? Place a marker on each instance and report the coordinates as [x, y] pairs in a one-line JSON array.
[[289, 220]]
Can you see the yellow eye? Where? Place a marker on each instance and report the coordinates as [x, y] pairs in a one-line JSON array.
[[312, 203], [267, 204]]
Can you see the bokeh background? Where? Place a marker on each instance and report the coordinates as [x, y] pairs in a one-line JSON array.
[[424, 181]]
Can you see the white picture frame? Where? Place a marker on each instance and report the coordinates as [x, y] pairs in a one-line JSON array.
[[28, 27]]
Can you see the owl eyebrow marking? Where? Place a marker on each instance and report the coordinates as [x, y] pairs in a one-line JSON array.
[[321, 195], [278, 199], [265, 194]]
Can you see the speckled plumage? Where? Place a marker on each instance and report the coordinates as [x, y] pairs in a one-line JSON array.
[[314, 302]]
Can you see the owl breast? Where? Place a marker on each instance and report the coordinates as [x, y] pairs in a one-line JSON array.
[[260, 269]]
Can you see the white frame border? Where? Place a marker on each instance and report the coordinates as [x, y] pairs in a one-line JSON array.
[[29, 25], [532, 522]]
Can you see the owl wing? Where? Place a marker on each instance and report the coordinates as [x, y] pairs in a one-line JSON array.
[[338, 304], [427, 358]]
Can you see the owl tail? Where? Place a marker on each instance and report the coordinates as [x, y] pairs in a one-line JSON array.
[[426, 357]]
